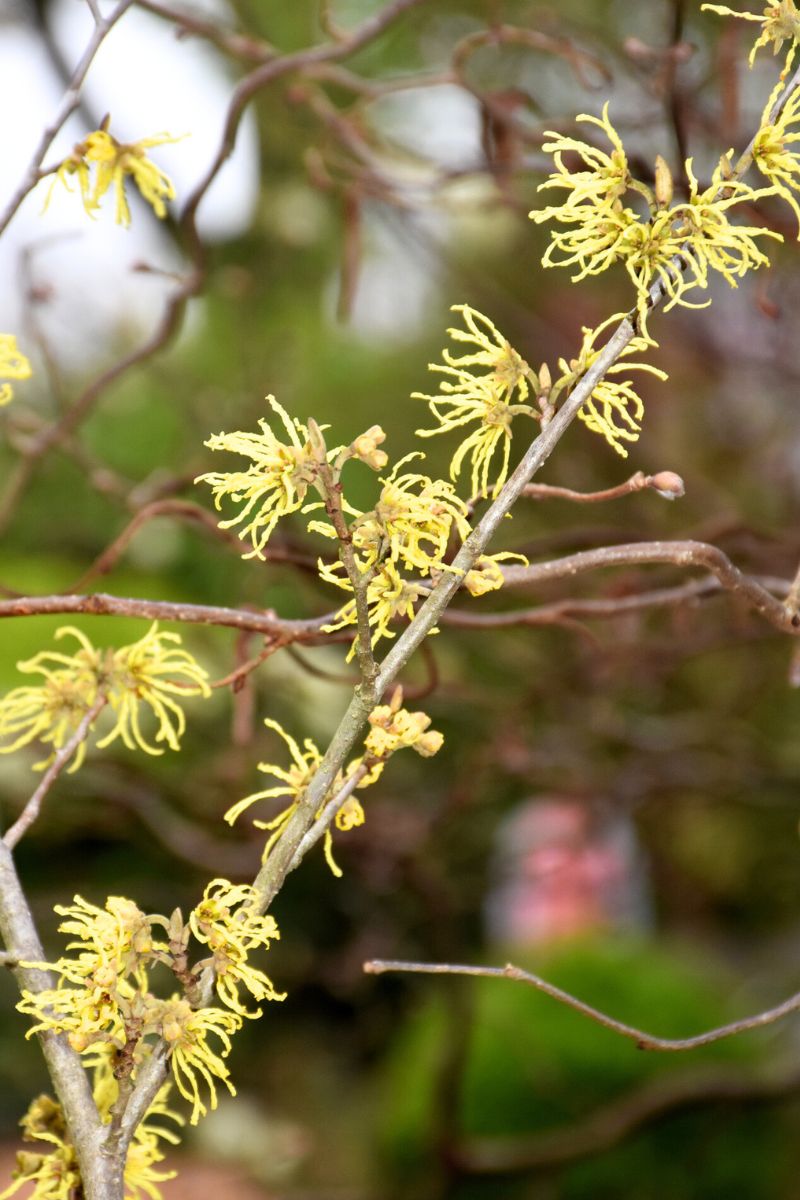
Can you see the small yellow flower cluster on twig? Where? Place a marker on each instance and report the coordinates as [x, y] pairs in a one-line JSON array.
[[101, 164], [392, 728], [103, 1002], [151, 674], [675, 246]]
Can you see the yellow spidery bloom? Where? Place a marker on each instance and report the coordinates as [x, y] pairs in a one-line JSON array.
[[607, 176], [487, 575], [710, 238], [51, 711], [389, 597], [13, 365], [411, 524], [54, 1172], [614, 409], [780, 22], [230, 936], [273, 486], [101, 164], [293, 781], [99, 978], [493, 394], [152, 672], [186, 1032], [771, 152]]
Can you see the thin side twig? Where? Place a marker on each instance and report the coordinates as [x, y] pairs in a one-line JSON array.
[[33, 807], [642, 1039]]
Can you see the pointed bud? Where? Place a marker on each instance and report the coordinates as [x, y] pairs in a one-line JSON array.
[[545, 379], [664, 185]]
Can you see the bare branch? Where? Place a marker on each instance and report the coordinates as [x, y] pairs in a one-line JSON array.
[[625, 1115], [666, 483], [643, 1040], [64, 1064], [102, 604], [686, 553], [32, 809], [237, 45], [359, 581]]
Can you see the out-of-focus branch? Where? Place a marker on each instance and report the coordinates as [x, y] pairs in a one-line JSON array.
[[686, 553], [237, 45], [643, 1040], [32, 809], [615, 1122]]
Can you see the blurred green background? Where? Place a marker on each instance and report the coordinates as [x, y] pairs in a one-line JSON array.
[[677, 725]]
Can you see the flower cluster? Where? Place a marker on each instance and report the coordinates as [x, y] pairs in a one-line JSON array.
[[491, 396], [274, 485], [405, 539], [53, 1168], [150, 674], [13, 365], [103, 1002], [100, 164], [392, 728], [672, 246]]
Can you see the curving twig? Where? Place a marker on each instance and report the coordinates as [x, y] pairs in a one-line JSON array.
[[643, 1040], [33, 807]]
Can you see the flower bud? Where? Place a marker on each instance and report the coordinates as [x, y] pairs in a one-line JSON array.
[[365, 448], [668, 484], [664, 185]]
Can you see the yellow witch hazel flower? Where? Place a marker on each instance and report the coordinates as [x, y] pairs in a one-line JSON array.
[[674, 248], [13, 365], [186, 1032], [151, 672], [53, 1167], [394, 728], [489, 385], [390, 596], [487, 574], [52, 710], [710, 239], [780, 22], [274, 485], [772, 154], [230, 936], [101, 163], [113, 947], [411, 524], [614, 409], [292, 783]]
